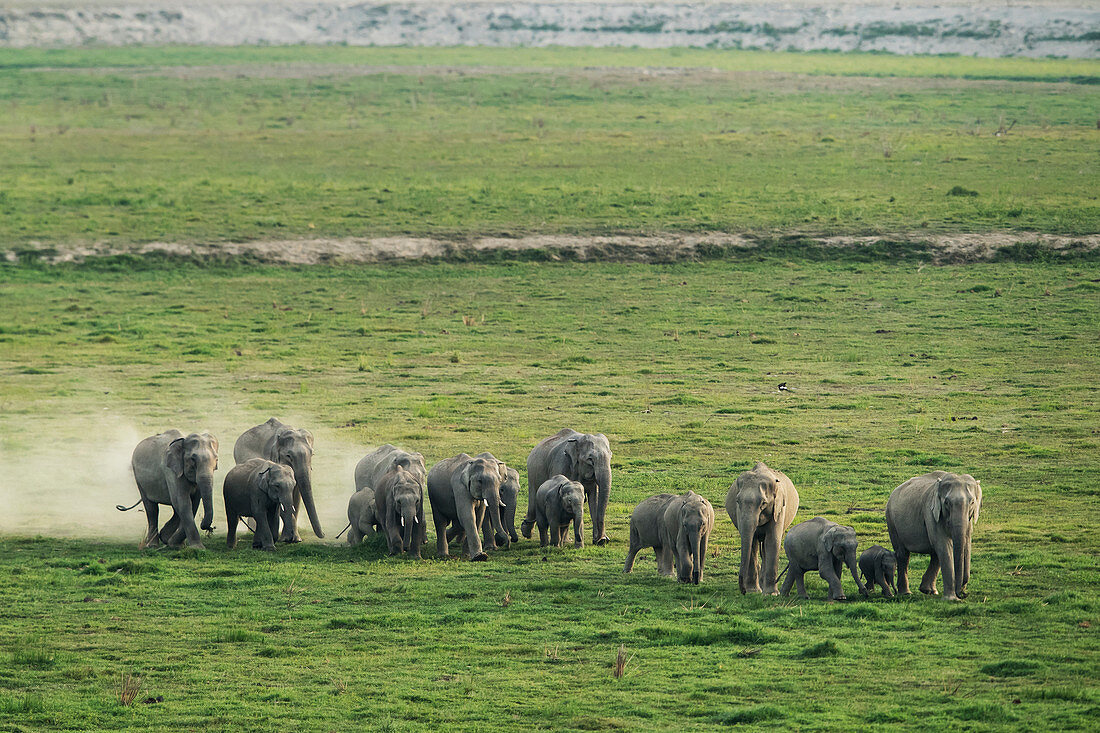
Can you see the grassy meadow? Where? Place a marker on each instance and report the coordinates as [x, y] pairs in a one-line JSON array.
[[894, 367], [133, 145]]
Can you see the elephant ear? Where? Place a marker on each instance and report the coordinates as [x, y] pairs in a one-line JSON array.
[[829, 539], [936, 504], [173, 457], [309, 438], [263, 483], [573, 451], [779, 502], [214, 445], [606, 443]]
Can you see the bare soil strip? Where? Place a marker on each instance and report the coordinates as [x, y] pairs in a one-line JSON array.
[[939, 248]]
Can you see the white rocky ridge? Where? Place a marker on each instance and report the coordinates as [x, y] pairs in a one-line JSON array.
[[1037, 28]]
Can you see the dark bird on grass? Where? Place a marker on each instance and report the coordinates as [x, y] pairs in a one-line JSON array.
[[783, 387]]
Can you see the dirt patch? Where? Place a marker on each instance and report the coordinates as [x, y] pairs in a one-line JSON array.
[[935, 248]]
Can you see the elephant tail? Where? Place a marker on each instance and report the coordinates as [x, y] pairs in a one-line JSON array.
[[345, 529], [127, 508], [782, 573]]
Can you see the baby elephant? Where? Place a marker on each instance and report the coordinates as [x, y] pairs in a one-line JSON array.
[[823, 546], [877, 565], [677, 528], [361, 514], [260, 489], [558, 502]]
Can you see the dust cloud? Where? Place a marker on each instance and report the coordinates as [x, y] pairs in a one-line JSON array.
[[64, 480]]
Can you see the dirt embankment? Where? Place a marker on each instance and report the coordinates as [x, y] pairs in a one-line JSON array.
[[934, 248], [1029, 28]]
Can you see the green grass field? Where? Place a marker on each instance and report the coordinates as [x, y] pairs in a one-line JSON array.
[[893, 370], [238, 144], [895, 367]]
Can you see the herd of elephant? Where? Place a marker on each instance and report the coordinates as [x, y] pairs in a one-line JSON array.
[[474, 499]]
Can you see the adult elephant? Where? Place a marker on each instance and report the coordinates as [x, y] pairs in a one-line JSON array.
[[762, 504], [460, 489], [509, 495], [581, 457], [292, 447], [178, 470], [380, 461], [935, 514]]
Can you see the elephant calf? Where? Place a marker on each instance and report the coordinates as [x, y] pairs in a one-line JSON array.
[[362, 516], [677, 528], [877, 565], [258, 488], [821, 545], [558, 502]]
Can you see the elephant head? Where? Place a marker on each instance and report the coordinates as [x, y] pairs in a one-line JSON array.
[[509, 495], [955, 503], [759, 502], [480, 478], [407, 506], [276, 483], [590, 459], [193, 459], [570, 499], [840, 544], [696, 519], [294, 448]]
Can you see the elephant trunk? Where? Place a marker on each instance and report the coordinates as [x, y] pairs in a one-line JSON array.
[[578, 526], [206, 493], [304, 482], [746, 529], [696, 558], [960, 540], [850, 561], [603, 494], [408, 531], [492, 499]]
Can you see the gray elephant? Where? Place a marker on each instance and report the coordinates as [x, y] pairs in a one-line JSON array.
[[762, 504], [877, 566], [509, 495], [581, 457], [825, 546], [380, 461], [935, 514], [558, 502], [678, 529], [177, 470], [362, 519], [460, 490], [291, 447], [399, 508], [260, 489]]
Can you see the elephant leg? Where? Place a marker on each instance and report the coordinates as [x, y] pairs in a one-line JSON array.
[[831, 575], [393, 538], [354, 535], [289, 533], [555, 533], [440, 535], [946, 555], [231, 536], [752, 572], [769, 559], [665, 563], [152, 515], [187, 522], [800, 581], [902, 556], [631, 553], [473, 539], [543, 535], [168, 531], [792, 570], [880, 579], [928, 582]]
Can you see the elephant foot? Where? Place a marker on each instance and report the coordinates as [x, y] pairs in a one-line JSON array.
[[772, 592], [479, 557], [525, 528], [929, 591], [603, 541], [578, 545], [952, 598], [513, 536]]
